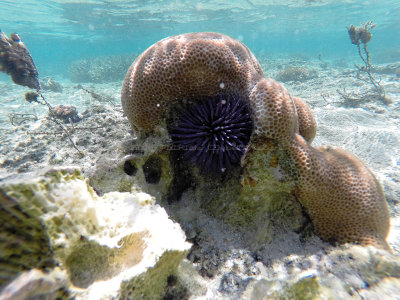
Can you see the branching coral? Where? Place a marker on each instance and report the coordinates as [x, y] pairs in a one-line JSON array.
[[362, 35], [16, 60], [341, 195]]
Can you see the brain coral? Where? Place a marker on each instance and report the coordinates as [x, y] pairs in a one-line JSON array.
[[341, 195], [186, 66]]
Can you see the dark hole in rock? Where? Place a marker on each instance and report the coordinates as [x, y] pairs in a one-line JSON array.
[[152, 170], [171, 280], [182, 179], [130, 168]]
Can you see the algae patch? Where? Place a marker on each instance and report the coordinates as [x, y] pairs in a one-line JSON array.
[[24, 243], [159, 282], [89, 261], [305, 289]]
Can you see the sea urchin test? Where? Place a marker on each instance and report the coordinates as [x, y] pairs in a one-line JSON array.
[[214, 132], [183, 79]]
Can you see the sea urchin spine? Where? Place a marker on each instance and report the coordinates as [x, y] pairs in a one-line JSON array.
[[214, 132]]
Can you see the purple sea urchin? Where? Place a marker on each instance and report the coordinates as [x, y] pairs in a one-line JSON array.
[[214, 132]]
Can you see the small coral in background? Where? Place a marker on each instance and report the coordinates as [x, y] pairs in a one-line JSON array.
[[66, 113], [49, 84], [100, 69], [16, 60], [293, 73], [361, 33]]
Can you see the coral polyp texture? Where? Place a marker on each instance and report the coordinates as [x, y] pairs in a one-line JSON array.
[[341, 195], [186, 66], [214, 132], [307, 123]]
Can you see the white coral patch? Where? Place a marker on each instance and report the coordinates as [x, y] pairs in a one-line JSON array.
[[107, 220]]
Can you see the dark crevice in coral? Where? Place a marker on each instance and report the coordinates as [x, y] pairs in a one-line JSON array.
[[152, 169], [130, 168], [175, 290], [182, 179], [307, 228]]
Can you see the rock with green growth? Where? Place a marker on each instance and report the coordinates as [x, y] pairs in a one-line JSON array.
[[148, 170], [89, 261], [24, 242], [56, 218], [159, 282], [257, 200], [307, 288]]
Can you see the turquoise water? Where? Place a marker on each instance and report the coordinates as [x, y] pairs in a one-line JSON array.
[[58, 32], [83, 49]]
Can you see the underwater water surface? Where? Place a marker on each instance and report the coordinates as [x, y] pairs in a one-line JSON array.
[[115, 185], [59, 32]]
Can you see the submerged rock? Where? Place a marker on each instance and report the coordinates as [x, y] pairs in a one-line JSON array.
[[49, 84], [250, 238], [35, 284], [159, 282], [96, 241]]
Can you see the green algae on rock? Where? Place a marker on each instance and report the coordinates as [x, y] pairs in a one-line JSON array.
[[159, 282], [91, 238], [24, 243], [147, 171], [89, 261]]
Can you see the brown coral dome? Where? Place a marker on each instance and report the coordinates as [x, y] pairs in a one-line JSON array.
[[342, 196], [187, 66]]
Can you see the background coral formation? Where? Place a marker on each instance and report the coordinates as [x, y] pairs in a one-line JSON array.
[[198, 65], [99, 69], [295, 73]]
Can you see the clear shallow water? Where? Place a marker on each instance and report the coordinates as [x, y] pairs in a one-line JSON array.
[[58, 32], [279, 33]]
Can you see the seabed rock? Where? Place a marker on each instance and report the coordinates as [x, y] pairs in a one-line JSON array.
[[148, 226], [55, 220], [249, 237]]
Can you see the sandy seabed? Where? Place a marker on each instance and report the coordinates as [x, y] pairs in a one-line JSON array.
[[370, 129]]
